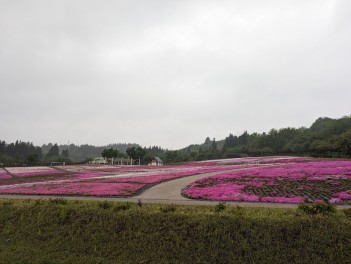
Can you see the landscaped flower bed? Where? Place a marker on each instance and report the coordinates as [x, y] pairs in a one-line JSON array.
[[77, 188], [293, 183], [257, 186], [150, 179], [33, 171], [99, 180], [4, 174]]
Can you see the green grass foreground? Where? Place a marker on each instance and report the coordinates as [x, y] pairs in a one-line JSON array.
[[60, 231]]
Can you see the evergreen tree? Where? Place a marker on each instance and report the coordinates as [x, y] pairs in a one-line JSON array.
[[53, 151]]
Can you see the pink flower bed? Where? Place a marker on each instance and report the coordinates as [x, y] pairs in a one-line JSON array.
[[249, 160], [292, 183], [4, 174], [77, 188], [256, 179], [33, 171], [77, 179], [149, 179]]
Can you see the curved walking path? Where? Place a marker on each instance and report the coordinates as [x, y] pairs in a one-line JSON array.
[[170, 192]]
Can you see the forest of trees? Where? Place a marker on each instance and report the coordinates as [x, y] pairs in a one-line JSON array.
[[326, 137], [19, 153], [84, 153]]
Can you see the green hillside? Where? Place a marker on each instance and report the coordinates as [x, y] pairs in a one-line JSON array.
[[57, 231]]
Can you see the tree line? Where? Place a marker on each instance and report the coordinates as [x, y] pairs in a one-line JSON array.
[[326, 137], [19, 153]]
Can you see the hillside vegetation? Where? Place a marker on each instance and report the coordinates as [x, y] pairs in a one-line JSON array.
[[326, 137], [59, 231]]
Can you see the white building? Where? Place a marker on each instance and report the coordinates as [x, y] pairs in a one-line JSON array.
[[156, 161], [99, 160]]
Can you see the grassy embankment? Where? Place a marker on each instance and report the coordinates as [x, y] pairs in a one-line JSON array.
[[59, 231]]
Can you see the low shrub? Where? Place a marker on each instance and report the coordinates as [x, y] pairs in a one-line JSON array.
[[317, 208], [105, 205], [238, 210], [63, 214], [169, 208], [220, 207], [122, 207], [347, 212], [57, 201]]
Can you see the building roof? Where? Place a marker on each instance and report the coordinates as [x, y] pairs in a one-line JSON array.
[[158, 159]]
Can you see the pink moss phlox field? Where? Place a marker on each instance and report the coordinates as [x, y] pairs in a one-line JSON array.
[[250, 160], [222, 192], [151, 179], [291, 183], [78, 188], [33, 171], [4, 174], [266, 179]]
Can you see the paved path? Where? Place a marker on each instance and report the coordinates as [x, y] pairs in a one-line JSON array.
[[170, 193], [171, 190]]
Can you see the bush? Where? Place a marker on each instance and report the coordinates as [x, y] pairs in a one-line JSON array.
[[317, 208], [220, 207], [57, 201], [238, 210], [347, 212], [63, 214], [105, 205], [169, 208], [122, 207]]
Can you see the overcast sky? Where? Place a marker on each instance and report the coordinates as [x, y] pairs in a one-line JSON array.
[[169, 73]]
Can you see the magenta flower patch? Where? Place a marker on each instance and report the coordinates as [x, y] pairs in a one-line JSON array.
[[78, 188], [292, 183], [4, 174]]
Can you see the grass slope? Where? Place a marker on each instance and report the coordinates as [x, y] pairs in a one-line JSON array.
[[59, 231]]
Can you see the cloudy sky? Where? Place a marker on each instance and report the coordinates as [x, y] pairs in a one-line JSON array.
[[169, 73]]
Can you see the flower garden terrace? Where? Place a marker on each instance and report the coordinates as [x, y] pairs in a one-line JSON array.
[[263, 179], [294, 182], [114, 181]]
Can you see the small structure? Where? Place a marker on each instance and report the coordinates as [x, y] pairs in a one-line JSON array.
[[99, 160], [156, 161]]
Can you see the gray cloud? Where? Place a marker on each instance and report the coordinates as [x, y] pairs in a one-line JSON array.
[[169, 73]]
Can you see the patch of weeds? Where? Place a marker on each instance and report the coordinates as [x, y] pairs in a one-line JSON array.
[[238, 210], [317, 208], [8, 203], [105, 205], [347, 212], [122, 207], [140, 203], [57, 201], [221, 206], [63, 214], [39, 202], [8, 229], [169, 208]]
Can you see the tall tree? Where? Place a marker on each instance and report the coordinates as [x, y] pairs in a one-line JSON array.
[[136, 152], [53, 151], [110, 154]]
